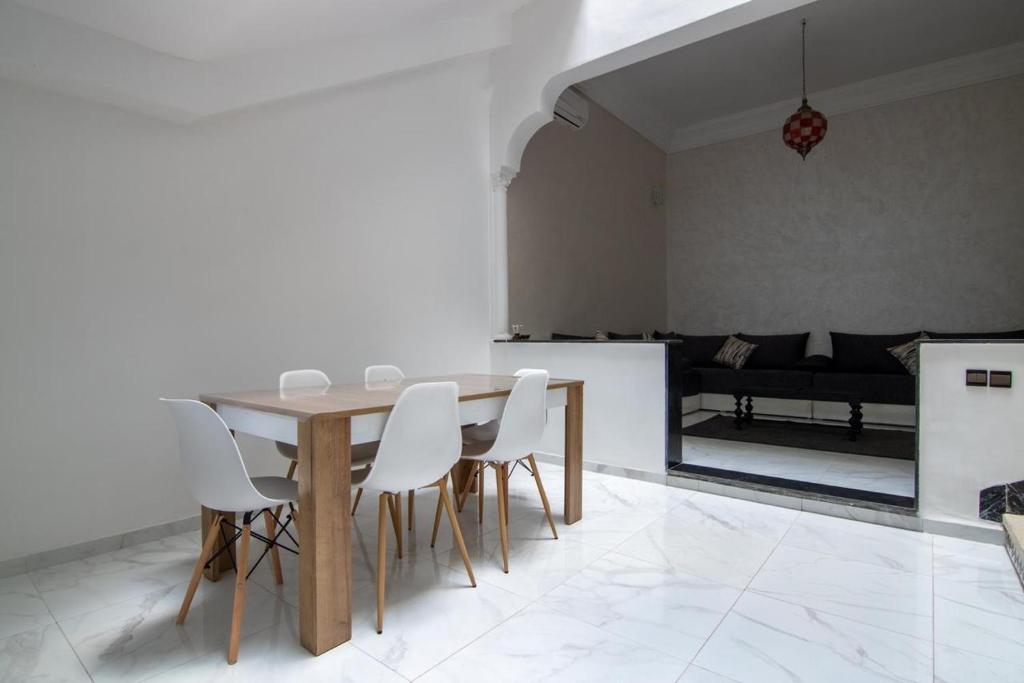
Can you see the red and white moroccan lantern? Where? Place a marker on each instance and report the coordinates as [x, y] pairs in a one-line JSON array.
[[807, 127]]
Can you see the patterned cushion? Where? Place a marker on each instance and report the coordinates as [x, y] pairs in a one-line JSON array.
[[907, 353], [734, 353]]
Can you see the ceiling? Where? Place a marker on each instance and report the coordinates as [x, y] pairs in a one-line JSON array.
[[184, 60], [848, 41], [204, 30]]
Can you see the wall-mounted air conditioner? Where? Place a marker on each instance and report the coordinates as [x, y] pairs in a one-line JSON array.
[[571, 109]]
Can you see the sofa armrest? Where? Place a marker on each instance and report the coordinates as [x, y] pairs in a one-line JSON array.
[[815, 363]]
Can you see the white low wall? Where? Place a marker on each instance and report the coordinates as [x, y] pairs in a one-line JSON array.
[[623, 397], [969, 437]]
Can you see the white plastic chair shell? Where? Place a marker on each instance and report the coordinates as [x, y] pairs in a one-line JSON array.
[[303, 379], [212, 464], [522, 421], [383, 373], [421, 440]]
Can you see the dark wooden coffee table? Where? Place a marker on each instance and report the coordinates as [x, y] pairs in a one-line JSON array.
[[745, 414]]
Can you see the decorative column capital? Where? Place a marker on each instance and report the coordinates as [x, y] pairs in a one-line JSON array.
[[502, 178]]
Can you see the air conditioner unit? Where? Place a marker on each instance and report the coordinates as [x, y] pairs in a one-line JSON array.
[[572, 110]]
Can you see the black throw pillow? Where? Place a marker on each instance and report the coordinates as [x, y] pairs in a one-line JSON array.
[[665, 335], [701, 349], [559, 335], [616, 335], [868, 353], [776, 351]]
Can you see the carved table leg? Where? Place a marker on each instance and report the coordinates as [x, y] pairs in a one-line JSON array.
[[739, 411], [856, 421], [749, 417]]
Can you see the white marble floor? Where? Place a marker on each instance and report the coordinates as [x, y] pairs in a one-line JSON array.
[[655, 584], [866, 473]]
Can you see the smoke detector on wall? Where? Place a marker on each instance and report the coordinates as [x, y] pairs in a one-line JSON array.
[[572, 110]]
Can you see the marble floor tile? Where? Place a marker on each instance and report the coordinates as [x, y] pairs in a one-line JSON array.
[[275, 654], [138, 638], [695, 674], [431, 612], [537, 562], [722, 539], [868, 593], [542, 645], [956, 666], [21, 608], [87, 585], [763, 640], [979, 564], [979, 620], [41, 654], [907, 551], [661, 608]]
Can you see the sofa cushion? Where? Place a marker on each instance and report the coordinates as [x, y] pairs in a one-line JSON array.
[[873, 387], [727, 380], [617, 335], [815, 363], [868, 353], [1012, 334], [701, 349], [775, 351], [560, 335], [664, 335]]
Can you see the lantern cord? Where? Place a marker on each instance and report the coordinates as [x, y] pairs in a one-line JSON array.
[[803, 57]]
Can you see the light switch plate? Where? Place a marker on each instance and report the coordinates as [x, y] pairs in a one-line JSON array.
[[977, 378], [1001, 379]]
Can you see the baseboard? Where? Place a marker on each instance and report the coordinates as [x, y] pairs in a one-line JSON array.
[[86, 549], [614, 470]]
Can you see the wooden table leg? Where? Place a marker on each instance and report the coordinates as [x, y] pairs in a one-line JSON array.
[[574, 454], [224, 562], [325, 559]]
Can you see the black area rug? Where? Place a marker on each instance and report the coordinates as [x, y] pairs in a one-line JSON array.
[[881, 443]]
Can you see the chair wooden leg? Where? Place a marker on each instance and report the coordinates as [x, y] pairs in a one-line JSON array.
[[543, 495], [460, 501], [412, 503], [242, 559], [437, 518], [275, 558], [212, 536], [456, 530], [290, 475], [396, 522], [480, 492], [382, 556], [355, 504], [499, 471]]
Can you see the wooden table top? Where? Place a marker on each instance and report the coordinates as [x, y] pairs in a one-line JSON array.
[[360, 399]]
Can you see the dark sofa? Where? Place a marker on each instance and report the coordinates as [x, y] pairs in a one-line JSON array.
[[859, 362]]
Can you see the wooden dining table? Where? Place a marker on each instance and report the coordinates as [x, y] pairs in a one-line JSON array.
[[325, 422]]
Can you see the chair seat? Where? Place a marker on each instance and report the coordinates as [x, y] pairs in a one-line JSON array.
[[485, 432], [477, 450], [362, 454], [279, 490]]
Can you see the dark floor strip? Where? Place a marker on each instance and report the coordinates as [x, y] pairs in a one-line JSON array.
[[798, 486]]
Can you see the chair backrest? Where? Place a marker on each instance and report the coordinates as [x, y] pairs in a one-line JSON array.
[[303, 379], [214, 471], [383, 373], [421, 440], [523, 419]]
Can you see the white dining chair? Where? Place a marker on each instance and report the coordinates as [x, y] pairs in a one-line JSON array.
[[420, 445], [381, 376], [518, 434], [216, 477], [362, 454]]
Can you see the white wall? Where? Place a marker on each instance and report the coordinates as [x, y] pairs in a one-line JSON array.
[[141, 259], [969, 437], [623, 397]]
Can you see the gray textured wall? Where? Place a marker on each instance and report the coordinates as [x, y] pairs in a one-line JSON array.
[[907, 216], [586, 247]]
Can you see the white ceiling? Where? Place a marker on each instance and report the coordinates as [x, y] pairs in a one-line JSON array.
[[206, 30], [848, 41]]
